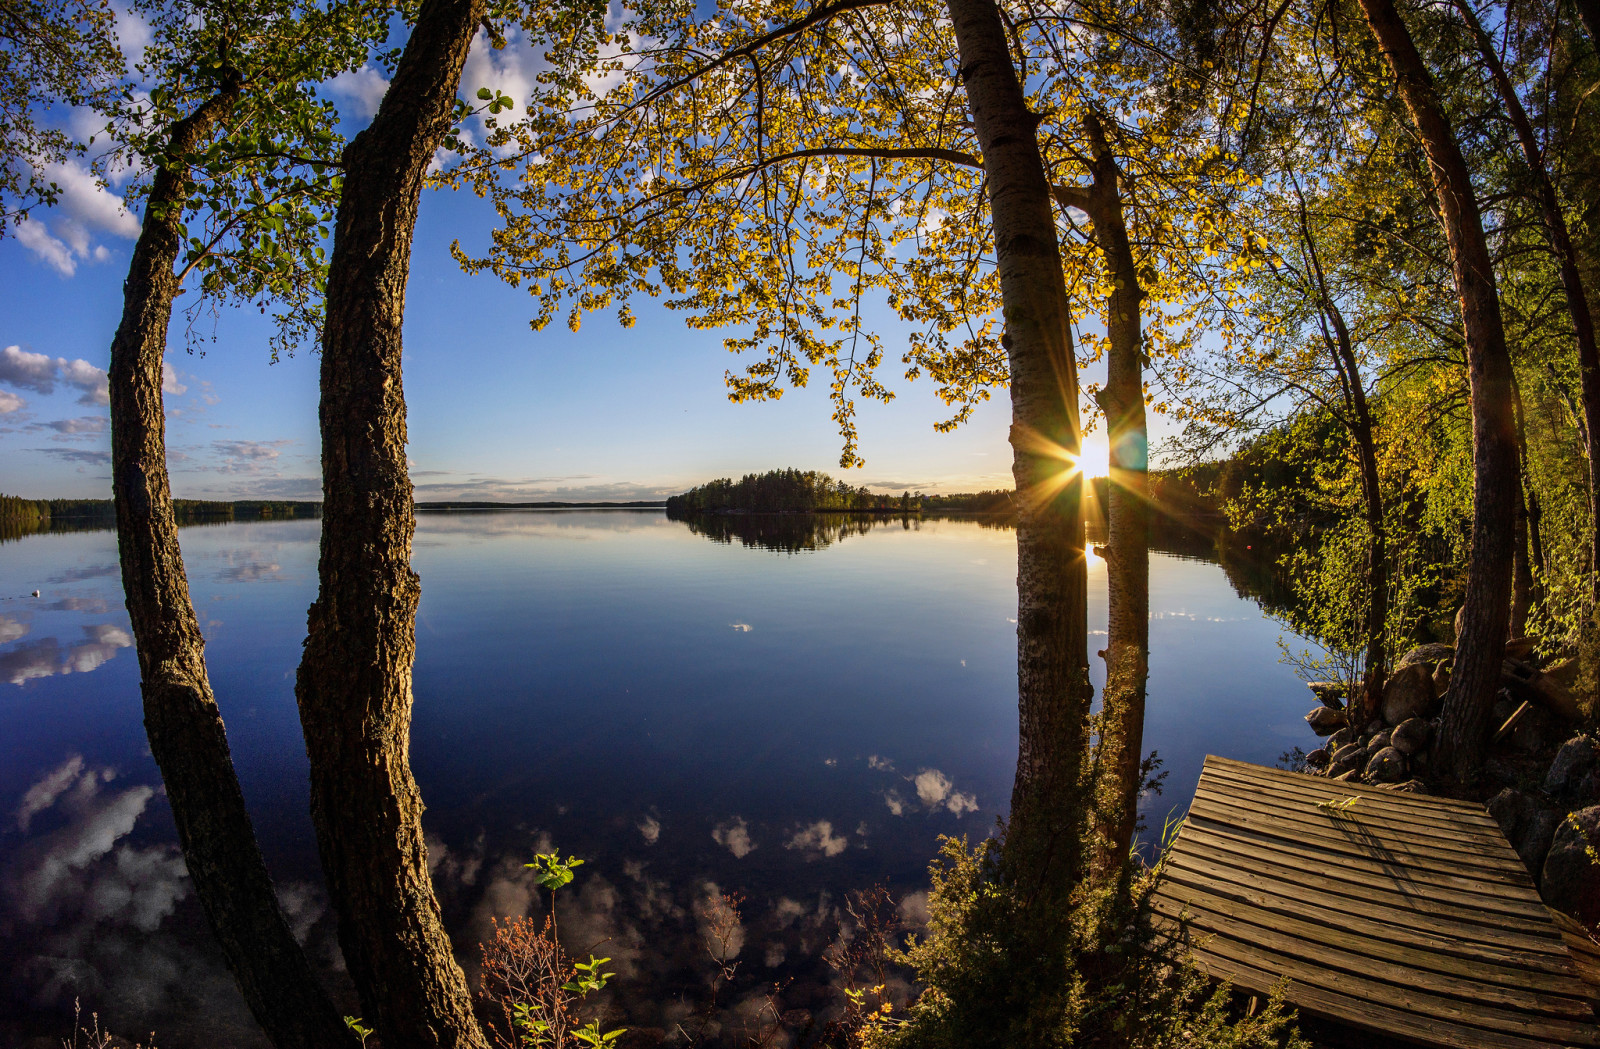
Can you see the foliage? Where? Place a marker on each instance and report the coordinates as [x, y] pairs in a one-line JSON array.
[[53, 54], [535, 989], [790, 171], [263, 187], [987, 984], [780, 491]]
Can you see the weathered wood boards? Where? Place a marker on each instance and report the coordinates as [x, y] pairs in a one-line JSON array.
[[1401, 914]]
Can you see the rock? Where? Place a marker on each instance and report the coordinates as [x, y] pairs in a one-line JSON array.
[[1441, 678], [1386, 766], [1410, 736], [1374, 727], [1502, 709], [1420, 759], [1340, 738], [1587, 792], [1351, 756], [1536, 839], [1520, 647], [1408, 694], [1573, 761], [1512, 809], [1331, 693], [1429, 654], [1528, 827], [1348, 775], [1325, 720], [1378, 741], [1318, 758], [1570, 880]]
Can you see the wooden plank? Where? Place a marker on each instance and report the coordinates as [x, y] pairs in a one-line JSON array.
[[1464, 810], [1417, 921], [1383, 961], [1315, 790], [1363, 994], [1523, 958], [1583, 948], [1316, 1000], [1348, 889], [1343, 824], [1395, 860]]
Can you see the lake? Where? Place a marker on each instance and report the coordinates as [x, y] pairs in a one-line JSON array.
[[781, 710]]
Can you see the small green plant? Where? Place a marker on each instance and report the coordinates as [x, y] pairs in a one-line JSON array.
[[539, 990], [552, 872], [362, 1031], [1338, 805]]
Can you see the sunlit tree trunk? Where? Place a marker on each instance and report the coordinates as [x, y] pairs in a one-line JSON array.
[[182, 721], [354, 685], [1120, 756], [1045, 839], [1475, 677]]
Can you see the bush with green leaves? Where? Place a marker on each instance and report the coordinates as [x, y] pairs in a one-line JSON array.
[[997, 972]]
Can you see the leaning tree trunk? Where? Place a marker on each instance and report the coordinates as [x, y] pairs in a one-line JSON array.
[[181, 718], [1045, 840], [1578, 304], [354, 685], [1475, 677], [1120, 759]]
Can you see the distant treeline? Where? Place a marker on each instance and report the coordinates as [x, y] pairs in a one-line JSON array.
[[40, 513], [787, 491], [644, 504]]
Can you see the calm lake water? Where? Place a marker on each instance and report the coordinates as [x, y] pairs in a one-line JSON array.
[[694, 711]]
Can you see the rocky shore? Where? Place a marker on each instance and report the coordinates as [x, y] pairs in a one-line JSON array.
[[1541, 781]]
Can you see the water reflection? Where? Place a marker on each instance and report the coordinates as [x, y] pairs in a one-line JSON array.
[[695, 721], [788, 533]]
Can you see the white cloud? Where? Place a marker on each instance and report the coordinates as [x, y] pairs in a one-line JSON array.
[[734, 835], [650, 830], [39, 372], [85, 210], [936, 791], [247, 456], [12, 628], [83, 424], [363, 90], [817, 840], [10, 402], [27, 371], [169, 381], [880, 763], [44, 793], [717, 919], [35, 236], [897, 804]]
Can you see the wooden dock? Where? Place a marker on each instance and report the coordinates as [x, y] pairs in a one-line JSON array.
[[1404, 915]]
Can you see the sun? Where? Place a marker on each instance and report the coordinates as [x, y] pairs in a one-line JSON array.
[[1095, 460]]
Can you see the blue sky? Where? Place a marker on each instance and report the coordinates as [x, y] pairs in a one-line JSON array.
[[496, 411]]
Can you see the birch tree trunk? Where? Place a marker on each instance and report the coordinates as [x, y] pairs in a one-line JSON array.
[[184, 726], [1475, 677], [354, 684], [1045, 841], [1120, 758]]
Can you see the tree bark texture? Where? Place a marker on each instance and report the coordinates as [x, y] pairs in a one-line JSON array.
[[1559, 237], [1045, 840], [1120, 758], [354, 684], [182, 721], [1475, 677]]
